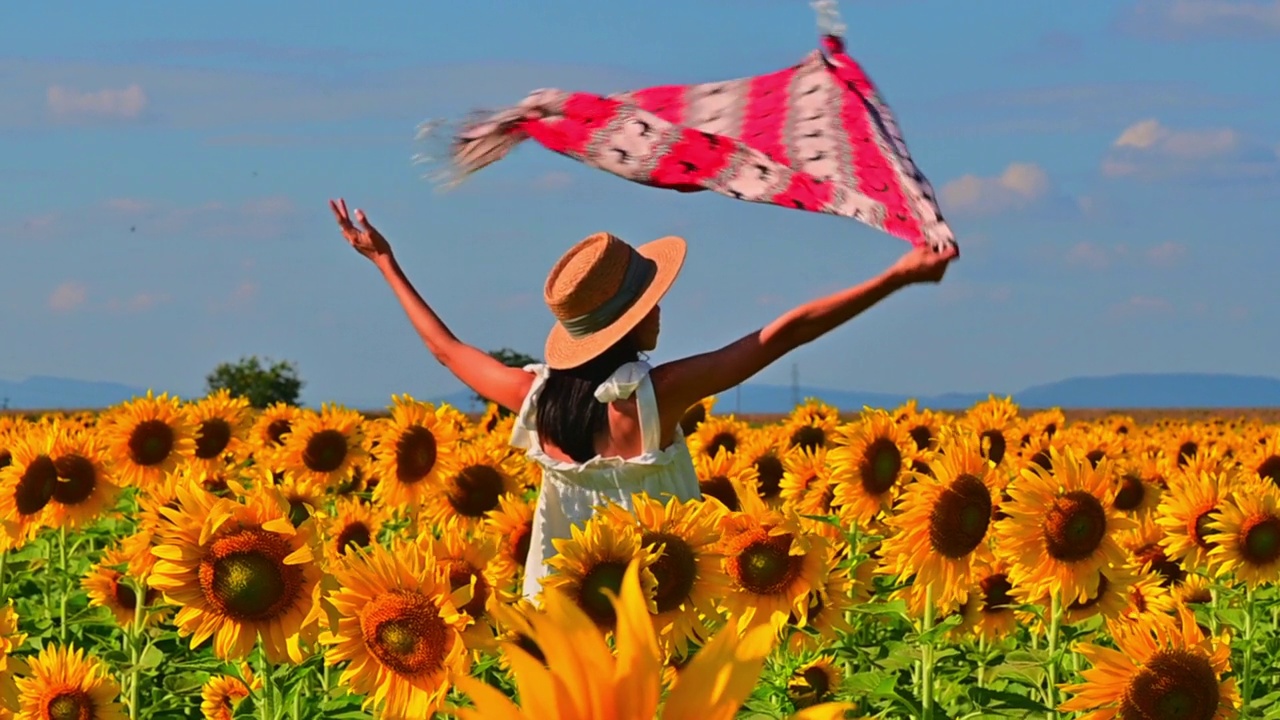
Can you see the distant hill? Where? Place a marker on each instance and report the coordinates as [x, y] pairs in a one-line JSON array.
[[1175, 390]]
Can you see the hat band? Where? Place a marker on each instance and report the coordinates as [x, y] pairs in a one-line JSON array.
[[639, 273]]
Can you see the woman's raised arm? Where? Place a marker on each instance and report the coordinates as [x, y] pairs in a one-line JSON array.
[[681, 383], [479, 371]]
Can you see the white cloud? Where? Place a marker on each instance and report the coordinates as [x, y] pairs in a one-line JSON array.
[[1150, 150], [1192, 19], [123, 104], [1090, 255], [1166, 253], [1140, 306], [67, 297], [1094, 256], [1020, 186], [138, 303]]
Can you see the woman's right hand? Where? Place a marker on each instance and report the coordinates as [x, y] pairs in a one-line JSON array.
[[922, 265], [366, 240]]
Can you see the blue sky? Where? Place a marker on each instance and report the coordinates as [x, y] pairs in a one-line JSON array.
[[1110, 169]]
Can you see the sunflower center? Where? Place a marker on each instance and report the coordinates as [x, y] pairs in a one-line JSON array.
[[881, 463], [150, 442], [325, 451], [1175, 684], [1200, 528], [1074, 526], [298, 511], [1094, 457], [36, 486], [819, 680], [993, 445], [996, 593], [676, 570], [1132, 491], [602, 576], [6, 458], [692, 418], [1186, 451], [403, 630], [277, 430], [1152, 554], [726, 440], [1103, 585], [476, 490], [721, 488], [960, 517], [769, 469], [1260, 540], [1269, 469], [77, 479], [1043, 459], [73, 705], [519, 541], [766, 566], [124, 595], [355, 534], [809, 437], [529, 645], [213, 438], [415, 454], [243, 575], [922, 436], [460, 574]]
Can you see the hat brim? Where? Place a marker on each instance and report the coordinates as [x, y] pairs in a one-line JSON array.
[[564, 351]]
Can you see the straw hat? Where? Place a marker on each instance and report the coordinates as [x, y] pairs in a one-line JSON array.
[[601, 289]]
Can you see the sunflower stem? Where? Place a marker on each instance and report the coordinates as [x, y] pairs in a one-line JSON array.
[[1051, 666], [135, 649], [926, 655], [4, 555], [63, 585], [982, 661], [267, 687], [1246, 672]]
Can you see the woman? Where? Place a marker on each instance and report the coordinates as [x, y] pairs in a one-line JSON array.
[[604, 424]]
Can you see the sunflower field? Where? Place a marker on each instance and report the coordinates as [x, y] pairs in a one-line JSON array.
[[171, 559]]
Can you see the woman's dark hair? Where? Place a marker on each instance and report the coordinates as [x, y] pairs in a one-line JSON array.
[[568, 413]]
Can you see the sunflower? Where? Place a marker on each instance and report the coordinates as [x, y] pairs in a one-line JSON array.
[[1097, 444], [868, 464], [354, 525], [221, 425], [922, 426], [1140, 485], [305, 497], [687, 571], [1109, 600], [1148, 555], [1043, 424], [994, 422], [991, 612], [1196, 590], [322, 446], [726, 477], [771, 563], [397, 627], [717, 433], [761, 452], [65, 682], [809, 426], [239, 571], [27, 486], [84, 489], [469, 564], [146, 438], [1264, 458], [1158, 670], [941, 529], [1061, 529], [511, 524], [695, 414], [10, 666], [590, 682], [1185, 444], [1246, 534], [814, 682], [109, 588], [591, 563], [269, 433], [825, 609], [412, 451], [1186, 512], [480, 475], [220, 695], [806, 481]]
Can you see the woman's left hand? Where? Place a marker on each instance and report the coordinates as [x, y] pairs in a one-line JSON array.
[[366, 239]]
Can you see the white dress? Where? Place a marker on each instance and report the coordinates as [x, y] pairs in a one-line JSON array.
[[571, 491]]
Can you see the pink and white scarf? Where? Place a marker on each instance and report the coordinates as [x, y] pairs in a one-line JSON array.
[[815, 137]]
